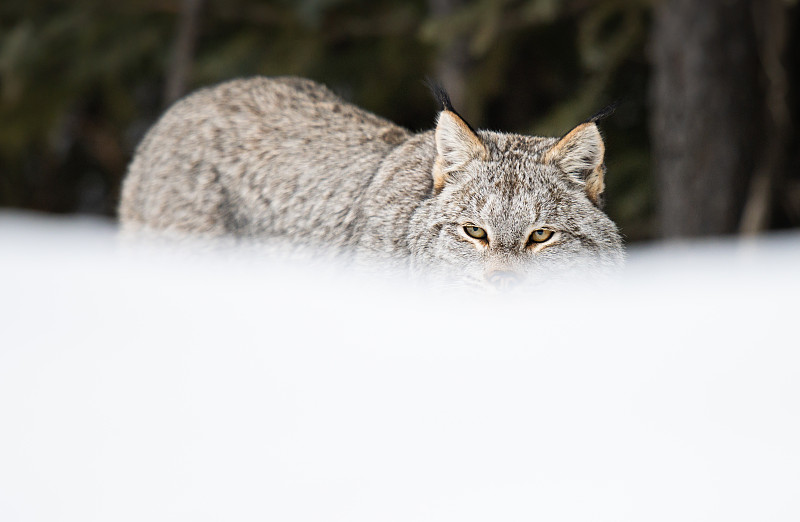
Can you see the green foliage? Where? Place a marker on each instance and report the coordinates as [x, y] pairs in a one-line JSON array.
[[80, 81]]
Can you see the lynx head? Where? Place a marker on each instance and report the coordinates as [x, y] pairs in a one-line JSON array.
[[509, 209]]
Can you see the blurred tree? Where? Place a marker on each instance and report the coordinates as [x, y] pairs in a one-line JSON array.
[[720, 118], [183, 50], [453, 59], [769, 183]]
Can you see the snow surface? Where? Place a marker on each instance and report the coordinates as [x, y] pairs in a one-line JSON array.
[[155, 387]]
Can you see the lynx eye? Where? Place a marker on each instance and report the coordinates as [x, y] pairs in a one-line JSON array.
[[541, 235], [475, 232]]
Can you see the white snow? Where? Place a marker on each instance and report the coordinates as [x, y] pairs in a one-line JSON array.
[[153, 387]]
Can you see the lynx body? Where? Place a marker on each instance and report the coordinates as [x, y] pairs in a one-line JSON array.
[[286, 159]]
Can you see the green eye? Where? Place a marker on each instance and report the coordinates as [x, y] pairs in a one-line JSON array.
[[541, 235], [476, 232]]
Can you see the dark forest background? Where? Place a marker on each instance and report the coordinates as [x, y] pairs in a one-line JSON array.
[[703, 143]]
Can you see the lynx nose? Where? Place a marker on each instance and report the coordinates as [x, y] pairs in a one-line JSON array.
[[503, 279]]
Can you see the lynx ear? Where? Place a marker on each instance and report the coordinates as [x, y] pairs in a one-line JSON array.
[[456, 142], [456, 145], [580, 155]]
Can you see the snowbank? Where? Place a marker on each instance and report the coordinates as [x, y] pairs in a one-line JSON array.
[[163, 388]]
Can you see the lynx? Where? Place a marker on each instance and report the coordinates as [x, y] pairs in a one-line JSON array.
[[286, 159]]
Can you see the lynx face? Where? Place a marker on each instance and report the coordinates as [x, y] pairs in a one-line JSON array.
[[511, 209], [533, 223]]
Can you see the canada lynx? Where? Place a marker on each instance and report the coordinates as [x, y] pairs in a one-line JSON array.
[[285, 158]]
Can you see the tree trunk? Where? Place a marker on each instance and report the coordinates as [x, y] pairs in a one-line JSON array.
[[706, 119], [453, 61], [771, 23], [180, 66]]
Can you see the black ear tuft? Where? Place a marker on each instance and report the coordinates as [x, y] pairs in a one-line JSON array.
[[604, 112], [440, 94], [444, 99]]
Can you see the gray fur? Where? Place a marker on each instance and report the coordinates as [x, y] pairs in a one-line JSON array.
[[286, 159]]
